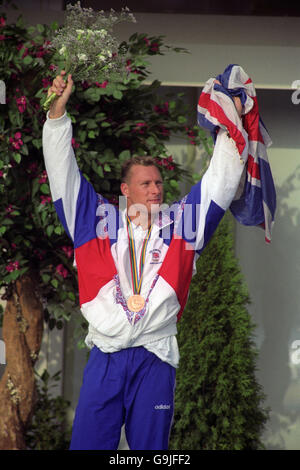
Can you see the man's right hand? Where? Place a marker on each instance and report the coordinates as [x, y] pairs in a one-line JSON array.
[[63, 91]]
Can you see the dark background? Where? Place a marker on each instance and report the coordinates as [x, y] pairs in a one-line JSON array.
[[216, 7]]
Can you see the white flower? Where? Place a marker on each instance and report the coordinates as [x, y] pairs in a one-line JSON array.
[[62, 50], [132, 18], [79, 32], [82, 57], [84, 32], [103, 33]]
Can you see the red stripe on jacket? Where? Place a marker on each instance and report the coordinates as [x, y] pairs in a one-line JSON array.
[[177, 269], [95, 266]]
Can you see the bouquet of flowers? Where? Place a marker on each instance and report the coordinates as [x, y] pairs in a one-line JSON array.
[[86, 46]]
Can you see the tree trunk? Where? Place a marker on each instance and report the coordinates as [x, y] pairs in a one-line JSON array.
[[22, 333]]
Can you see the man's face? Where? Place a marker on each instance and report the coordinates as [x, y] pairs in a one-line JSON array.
[[144, 188]]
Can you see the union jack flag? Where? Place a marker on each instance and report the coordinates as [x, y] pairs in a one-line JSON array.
[[255, 201]]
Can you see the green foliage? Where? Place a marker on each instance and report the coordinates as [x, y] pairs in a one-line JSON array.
[[48, 430], [218, 401], [112, 121]]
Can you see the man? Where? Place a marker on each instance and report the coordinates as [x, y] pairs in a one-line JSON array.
[[134, 270]]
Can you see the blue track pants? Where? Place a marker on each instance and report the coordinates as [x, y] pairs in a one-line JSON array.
[[131, 386]]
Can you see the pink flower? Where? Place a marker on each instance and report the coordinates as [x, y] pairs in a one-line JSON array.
[[45, 199], [68, 250], [53, 67], [46, 82], [12, 266], [114, 200], [154, 47], [9, 209], [21, 46], [162, 110], [101, 85], [16, 145], [85, 85], [128, 68], [170, 163], [2, 22], [2, 37], [32, 166], [61, 270], [146, 41], [166, 163], [191, 136], [41, 52], [75, 144], [43, 178], [21, 102], [164, 131], [32, 169], [14, 246], [139, 127], [1, 174], [16, 142]]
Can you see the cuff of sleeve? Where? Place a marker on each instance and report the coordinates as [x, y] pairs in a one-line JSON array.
[[53, 123]]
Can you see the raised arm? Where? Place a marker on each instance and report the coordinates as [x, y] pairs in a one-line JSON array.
[[208, 200], [218, 187], [74, 198]]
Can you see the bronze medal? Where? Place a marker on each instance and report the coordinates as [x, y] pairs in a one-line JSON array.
[[135, 303]]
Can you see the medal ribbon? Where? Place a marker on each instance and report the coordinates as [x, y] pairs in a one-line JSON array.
[[136, 275]]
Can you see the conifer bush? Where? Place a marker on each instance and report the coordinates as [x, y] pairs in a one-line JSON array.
[[218, 402]]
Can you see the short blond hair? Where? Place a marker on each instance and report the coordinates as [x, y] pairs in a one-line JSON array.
[[144, 160]]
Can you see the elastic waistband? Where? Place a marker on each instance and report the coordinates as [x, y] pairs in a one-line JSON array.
[[117, 343]]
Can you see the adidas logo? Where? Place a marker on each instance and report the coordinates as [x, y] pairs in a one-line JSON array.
[[162, 407]]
